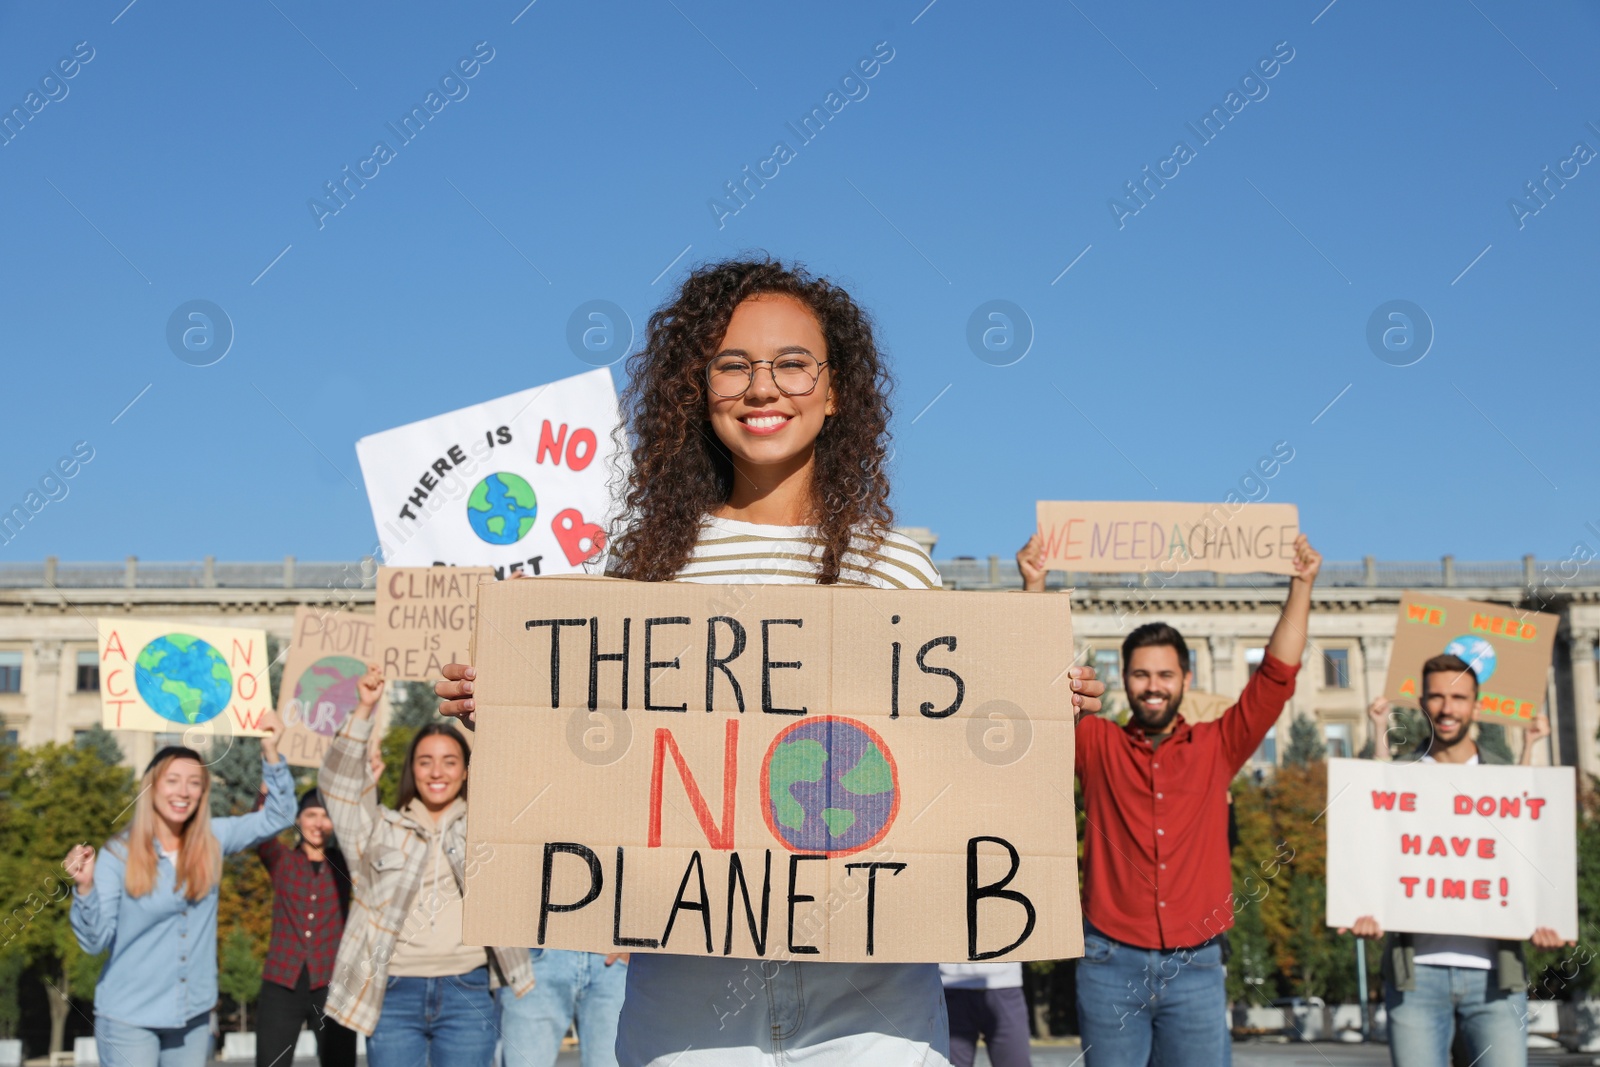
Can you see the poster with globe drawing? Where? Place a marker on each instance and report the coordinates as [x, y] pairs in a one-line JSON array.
[[773, 772], [328, 653], [1508, 648], [177, 677], [518, 484]]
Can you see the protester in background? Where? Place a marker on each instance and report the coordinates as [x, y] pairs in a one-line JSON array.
[[985, 1000], [586, 986], [1158, 884], [1380, 709], [758, 412], [151, 898], [1440, 988], [403, 975], [310, 896]]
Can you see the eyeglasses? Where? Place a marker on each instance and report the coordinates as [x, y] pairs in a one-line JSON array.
[[794, 374]]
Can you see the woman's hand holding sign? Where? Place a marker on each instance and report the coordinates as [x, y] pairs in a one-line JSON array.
[[80, 865], [456, 692]]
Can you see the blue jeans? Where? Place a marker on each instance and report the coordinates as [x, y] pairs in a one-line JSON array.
[[435, 1022], [1422, 1021], [566, 984], [124, 1045], [1139, 1006]]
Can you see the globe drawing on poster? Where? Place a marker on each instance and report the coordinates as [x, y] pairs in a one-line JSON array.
[[1478, 654], [502, 508], [830, 786], [183, 679], [326, 693], [519, 484]]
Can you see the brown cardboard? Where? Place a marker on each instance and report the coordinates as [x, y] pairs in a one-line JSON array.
[[1118, 537], [326, 647], [554, 780], [424, 618], [1199, 707], [1520, 643]]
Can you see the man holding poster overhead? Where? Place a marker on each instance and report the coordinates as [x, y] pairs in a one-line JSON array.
[[1158, 885], [1436, 984]]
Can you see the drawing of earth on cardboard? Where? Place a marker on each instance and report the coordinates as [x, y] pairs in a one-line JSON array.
[[501, 508], [1478, 654], [830, 786], [183, 679], [327, 693]]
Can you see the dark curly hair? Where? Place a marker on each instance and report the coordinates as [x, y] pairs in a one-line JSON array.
[[681, 472]]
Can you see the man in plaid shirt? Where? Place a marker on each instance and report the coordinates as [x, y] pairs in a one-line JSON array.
[[310, 896]]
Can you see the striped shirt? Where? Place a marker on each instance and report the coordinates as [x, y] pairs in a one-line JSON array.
[[730, 551], [764, 1012]]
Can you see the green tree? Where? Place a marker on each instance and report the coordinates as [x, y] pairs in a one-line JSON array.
[[1492, 739], [10, 993], [56, 796], [102, 742], [1305, 743], [239, 973]]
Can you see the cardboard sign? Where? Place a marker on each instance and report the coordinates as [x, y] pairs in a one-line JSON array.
[[1122, 537], [174, 677], [425, 617], [1438, 848], [1509, 650], [518, 484], [328, 654], [762, 771]]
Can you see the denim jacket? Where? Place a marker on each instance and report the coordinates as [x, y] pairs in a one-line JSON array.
[[163, 966]]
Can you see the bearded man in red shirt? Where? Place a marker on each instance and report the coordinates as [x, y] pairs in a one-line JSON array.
[[1158, 884]]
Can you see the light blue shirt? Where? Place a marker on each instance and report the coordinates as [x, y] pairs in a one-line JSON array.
[[163, 966]]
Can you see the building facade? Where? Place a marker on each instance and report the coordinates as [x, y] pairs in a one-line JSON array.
[[49, 680]]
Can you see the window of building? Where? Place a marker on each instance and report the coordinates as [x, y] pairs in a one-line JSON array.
[[1107, 663], [1268, 752], [1337, 737], [1336, 668], [11, 737], [88, 671], [1252, 659], [10, 672]]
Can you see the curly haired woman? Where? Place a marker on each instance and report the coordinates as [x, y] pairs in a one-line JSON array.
[[759, 410]]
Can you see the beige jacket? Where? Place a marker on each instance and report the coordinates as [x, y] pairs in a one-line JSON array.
[[386, 850]]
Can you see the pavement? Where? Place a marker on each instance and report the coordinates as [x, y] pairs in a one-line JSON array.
[[1245, 1054]]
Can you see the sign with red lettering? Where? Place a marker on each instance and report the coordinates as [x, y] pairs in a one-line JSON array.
[[1444, 848], [773, 772], [1508, 648], [328, 654], [518, 484], [1122, 537], [425, 617], [176, 677]]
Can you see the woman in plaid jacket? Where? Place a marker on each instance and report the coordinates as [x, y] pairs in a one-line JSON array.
[[403, 976]]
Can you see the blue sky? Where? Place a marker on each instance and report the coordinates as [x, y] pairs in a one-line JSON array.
[[579, 163]]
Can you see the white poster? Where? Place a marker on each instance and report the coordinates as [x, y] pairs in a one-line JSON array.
[[1438, 848], [519, 484]]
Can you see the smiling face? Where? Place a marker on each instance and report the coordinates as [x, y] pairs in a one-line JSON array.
[[1449, 699], [315, 827], [439, 770], [763, 429], [178, 791], [1155, 681]]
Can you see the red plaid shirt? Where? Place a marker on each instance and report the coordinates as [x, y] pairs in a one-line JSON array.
[[308, 909]]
